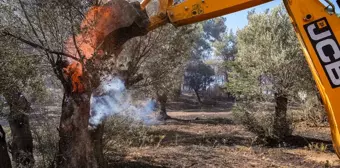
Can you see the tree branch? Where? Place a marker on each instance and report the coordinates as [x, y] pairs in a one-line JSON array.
[[34, 45], [29, 22]]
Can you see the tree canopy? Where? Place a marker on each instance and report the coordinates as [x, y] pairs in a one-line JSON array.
[[269, 59]]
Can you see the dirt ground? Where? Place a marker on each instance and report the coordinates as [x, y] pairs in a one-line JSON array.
[[211, 139]]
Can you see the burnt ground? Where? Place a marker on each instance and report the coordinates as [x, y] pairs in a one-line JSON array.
[[208, 137]]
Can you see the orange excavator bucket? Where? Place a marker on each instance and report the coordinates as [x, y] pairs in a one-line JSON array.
[[132, 21], [103, 32], [108, 27]]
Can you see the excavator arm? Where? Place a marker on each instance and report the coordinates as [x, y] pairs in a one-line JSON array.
[[317, 28], [193, 11]]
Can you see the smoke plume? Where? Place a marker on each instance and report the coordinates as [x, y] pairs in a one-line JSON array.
[[112, 98]]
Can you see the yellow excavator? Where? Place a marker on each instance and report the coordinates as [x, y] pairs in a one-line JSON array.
[[316, 25]]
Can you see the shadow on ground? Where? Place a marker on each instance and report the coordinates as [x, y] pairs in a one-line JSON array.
[[189, 104], [197, 120], [296, 141], [134, 164], [175, 137]]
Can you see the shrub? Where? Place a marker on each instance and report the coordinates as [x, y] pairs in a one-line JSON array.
[[314, 112], [258, 118], [46, 137], [122, 132]]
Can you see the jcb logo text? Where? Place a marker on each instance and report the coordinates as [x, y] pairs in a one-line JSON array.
[[327, 48]]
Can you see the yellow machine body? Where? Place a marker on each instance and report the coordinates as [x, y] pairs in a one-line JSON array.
[[318, 33], [317, 29]]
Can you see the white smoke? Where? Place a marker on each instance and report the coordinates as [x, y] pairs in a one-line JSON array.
[[112, 98]]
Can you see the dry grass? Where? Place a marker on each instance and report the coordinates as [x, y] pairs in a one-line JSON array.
[[200, 139]]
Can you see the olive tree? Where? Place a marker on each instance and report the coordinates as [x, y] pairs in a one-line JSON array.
[[154, 64], [51, 29], [19, 73], [166, 69], [44, 26], [269, 67]]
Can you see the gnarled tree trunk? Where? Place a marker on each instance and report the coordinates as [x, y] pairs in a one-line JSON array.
[[22, 143], [5, 161], [75, 144], [162, 99], [281, 125]]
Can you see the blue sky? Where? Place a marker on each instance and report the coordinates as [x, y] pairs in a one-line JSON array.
[[239, 19]]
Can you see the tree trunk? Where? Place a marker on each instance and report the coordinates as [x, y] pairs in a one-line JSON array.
[[97, 140], [162, 99], [75, 145], [198, 96], [226, 76], [22, 143], [177, 92], [5, 161], [281, 125]]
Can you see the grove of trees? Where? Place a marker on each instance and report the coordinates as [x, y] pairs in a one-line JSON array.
[[262, 66]]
